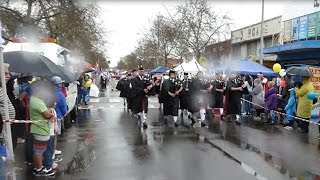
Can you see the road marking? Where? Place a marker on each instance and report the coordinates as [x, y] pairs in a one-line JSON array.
[[115, 100], [95, 100]]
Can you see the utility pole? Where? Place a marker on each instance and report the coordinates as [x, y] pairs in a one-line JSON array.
[[7, 126], [158, 35], [261, 34]]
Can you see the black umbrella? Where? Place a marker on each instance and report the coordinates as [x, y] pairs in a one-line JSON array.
[[32, 63], [67, 75], [301, 71]]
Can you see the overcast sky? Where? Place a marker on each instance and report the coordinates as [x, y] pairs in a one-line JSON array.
[[125, 20]]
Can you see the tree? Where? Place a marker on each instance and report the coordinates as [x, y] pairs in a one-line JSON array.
[[200, 25], [74, 23]]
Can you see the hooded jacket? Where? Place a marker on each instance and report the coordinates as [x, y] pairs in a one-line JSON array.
[[291, 106], [304, 104], [271, 99], [258, 93]]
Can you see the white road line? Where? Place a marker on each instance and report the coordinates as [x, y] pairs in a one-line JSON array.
[[95, 100], [151, 106]]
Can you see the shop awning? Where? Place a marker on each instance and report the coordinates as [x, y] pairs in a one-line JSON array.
[[297, 51]]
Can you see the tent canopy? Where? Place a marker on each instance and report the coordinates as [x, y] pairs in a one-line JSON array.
[[159, 69], [245, 66], [192, 67]]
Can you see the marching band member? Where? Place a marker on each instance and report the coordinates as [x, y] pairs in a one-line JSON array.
[[233, 97], [140, 100], [184, 96], [171, 88]]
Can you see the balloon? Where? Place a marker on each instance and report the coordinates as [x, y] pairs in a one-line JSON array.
[[312, 95], [282, 72], [276, 67]]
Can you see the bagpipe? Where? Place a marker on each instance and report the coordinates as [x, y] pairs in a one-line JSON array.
[[147, 81]]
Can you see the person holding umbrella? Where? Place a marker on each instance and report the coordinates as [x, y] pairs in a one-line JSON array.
[[304, 104]]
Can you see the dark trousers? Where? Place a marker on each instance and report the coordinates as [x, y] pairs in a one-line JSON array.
[[259, 111], [28, 148], [304, 125], [47, 155]]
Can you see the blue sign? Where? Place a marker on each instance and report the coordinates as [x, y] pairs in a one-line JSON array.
[[294, 29], [303, 27]]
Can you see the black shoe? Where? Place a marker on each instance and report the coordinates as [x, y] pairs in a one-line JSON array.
[[176, 124], [238, 122], [165, 121], [192, 120], [203, 124], [43, 172], [144, 125], [271, 123]]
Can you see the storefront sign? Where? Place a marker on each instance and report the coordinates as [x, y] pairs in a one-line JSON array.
[[312, 22], [287, 31], [303, 26], [294, 29], [315, 80]]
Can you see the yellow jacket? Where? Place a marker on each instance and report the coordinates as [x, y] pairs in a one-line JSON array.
[[304, 104]]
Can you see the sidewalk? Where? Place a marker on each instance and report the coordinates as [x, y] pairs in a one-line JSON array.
[[270, 151]]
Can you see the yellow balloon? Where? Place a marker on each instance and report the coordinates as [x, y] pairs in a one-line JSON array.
[[276, 67]]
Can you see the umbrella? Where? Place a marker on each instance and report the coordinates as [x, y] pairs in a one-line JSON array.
[[29, 62], [67, 75], [301, 71]]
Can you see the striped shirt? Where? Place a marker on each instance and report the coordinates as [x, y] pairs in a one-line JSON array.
[[12, 112]]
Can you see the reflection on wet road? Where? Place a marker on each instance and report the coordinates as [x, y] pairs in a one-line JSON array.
[[106, 143]]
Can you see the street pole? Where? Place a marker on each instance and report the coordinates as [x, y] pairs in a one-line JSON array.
[[158, 48], [261, 34], [7, 130]]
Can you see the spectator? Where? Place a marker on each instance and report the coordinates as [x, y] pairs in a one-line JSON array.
[[40, 130], [285, 92], [61, 106], [50, 102], [304, 104], [264, 82], [258, 96], [290, 110], [271, 102], [247, 89]]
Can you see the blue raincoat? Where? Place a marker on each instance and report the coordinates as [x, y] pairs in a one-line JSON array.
[[291, 106]]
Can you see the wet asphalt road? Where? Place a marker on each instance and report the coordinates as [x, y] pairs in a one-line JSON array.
[[106, 143]]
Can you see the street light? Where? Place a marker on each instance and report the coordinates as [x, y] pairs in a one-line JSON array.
[[316, 3], [261, 34]]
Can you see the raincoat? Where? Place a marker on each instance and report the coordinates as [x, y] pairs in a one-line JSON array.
[[271, 99], [258, 94], [291, 106], [304, 104]]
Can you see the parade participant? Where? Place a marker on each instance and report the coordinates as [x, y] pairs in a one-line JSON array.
[[195, 92], [172, 88], [233, 97], [122, 86], [247, 89], [184, 95], [219, 85], [140, 100]]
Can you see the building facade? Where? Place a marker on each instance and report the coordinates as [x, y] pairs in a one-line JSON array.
[[245, 42], [216, 53]]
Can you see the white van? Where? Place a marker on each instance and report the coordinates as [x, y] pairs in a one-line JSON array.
[[58, 55]]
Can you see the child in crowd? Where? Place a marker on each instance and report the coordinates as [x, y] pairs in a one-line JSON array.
[[290, 110], [271, 102]]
